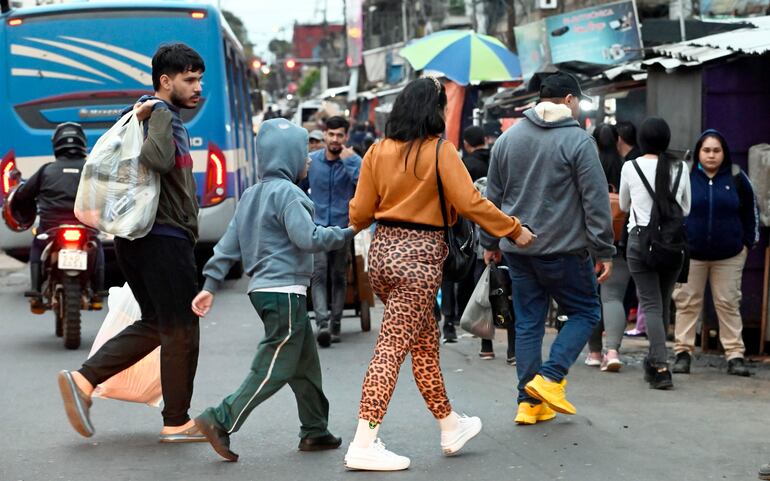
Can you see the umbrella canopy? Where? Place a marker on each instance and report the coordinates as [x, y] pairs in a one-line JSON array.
[[463, 56]]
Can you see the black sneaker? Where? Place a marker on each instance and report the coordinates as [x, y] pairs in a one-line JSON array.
[[682, 364], [661, 379], [450, 335], [328, 441], [649, 370], [737, 367], [324, 336]]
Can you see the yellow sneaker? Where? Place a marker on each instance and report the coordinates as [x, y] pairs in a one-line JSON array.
[[533, 413], [551, 393]]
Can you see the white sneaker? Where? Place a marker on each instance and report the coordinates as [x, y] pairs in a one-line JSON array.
[[374, 458], [593, 359], [453, 441]]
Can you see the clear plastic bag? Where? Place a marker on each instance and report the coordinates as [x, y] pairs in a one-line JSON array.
[[139, 383], [118, 194]]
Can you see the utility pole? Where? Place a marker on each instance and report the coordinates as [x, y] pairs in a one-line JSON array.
[[682, 31], [511, 7]]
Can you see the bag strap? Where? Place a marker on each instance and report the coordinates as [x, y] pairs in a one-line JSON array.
[[441, 188], [644, 180]]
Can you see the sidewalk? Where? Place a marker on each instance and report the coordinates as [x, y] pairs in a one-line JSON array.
[[12, 272]]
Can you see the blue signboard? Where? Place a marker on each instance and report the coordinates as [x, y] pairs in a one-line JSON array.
[[532, 48], [604, 35]]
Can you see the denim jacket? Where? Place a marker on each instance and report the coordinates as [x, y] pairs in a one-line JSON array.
[[332, 184]]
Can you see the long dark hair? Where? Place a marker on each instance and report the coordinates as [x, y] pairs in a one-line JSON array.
[[606, 137], [654, 137], [417, 114]]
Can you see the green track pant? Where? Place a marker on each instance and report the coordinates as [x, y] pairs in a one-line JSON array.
[[287, 355]]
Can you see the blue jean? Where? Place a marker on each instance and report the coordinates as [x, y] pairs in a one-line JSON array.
[[570, 280]]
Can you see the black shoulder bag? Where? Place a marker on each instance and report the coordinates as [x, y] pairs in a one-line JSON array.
[[500, 288], [459, 238], [664, 241]]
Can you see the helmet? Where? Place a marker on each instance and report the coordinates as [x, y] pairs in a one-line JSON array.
[[69, 139], [18, 218]]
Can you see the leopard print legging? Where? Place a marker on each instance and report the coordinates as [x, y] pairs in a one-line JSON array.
[[405, 272]]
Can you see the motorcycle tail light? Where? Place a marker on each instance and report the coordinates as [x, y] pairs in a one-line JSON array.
[[7, 178], [72, 235]]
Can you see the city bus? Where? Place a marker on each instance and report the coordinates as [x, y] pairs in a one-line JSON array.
[[85, 62]]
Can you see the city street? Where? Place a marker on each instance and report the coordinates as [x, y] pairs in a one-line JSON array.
[[710, 427]]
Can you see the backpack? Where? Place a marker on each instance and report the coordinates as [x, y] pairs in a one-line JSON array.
[[664, 241]]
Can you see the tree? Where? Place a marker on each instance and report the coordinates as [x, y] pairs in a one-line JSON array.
[[240, 31], [308, 82], [280, 48]]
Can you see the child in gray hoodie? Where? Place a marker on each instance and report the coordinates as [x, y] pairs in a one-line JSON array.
[[273, 234]]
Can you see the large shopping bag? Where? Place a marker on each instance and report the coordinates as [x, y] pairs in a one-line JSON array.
[[117, 193], [139, 383], [477, 317]]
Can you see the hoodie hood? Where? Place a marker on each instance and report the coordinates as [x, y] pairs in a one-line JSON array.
[[550, 115], [281, 150], [727, 163]]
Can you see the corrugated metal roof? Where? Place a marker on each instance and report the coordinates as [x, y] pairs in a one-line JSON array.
[[747, 41]]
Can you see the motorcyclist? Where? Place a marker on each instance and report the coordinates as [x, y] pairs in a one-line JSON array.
[[53, 189]]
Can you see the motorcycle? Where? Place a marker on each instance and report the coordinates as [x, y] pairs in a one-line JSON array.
[[67, 263]]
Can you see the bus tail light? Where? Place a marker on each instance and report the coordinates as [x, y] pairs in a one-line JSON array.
[[215, 185], [9, 173], [198, 15]]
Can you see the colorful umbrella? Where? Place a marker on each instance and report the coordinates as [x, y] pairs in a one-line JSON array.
[[463, 56]]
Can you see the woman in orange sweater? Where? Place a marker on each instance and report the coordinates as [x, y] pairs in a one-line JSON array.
[[398, 189]]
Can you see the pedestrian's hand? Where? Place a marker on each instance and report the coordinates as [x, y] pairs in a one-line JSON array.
[[201, 305], [525, 237], [347, 152], [492, 256], [603, 270], [143, 110]]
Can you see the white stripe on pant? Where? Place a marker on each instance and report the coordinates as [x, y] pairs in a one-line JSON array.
[[269, 372]]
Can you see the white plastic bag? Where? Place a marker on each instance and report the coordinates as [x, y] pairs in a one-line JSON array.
[[139, 383], [477, 317], [117, 194]]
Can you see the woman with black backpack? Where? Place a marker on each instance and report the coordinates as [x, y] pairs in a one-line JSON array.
[[656, 190]]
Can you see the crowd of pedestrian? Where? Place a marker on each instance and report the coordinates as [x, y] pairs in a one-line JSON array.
[[539, 195]]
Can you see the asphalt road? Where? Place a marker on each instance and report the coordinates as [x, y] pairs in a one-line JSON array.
[[710, 427]]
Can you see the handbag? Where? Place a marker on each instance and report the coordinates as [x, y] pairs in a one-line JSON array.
[[477, 316], [459, 238], [500, 288]]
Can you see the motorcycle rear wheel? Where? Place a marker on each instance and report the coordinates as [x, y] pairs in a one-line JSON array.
[[69, 308]]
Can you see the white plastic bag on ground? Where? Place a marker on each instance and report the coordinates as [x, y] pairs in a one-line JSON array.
[[117, 194], [477, 317], [139, 383]]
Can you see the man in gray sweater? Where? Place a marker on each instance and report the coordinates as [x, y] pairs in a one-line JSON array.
[[545, 170], [273, 234]]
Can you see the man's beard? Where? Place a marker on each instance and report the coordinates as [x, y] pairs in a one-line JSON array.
[[335, 150], [179, 101]]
